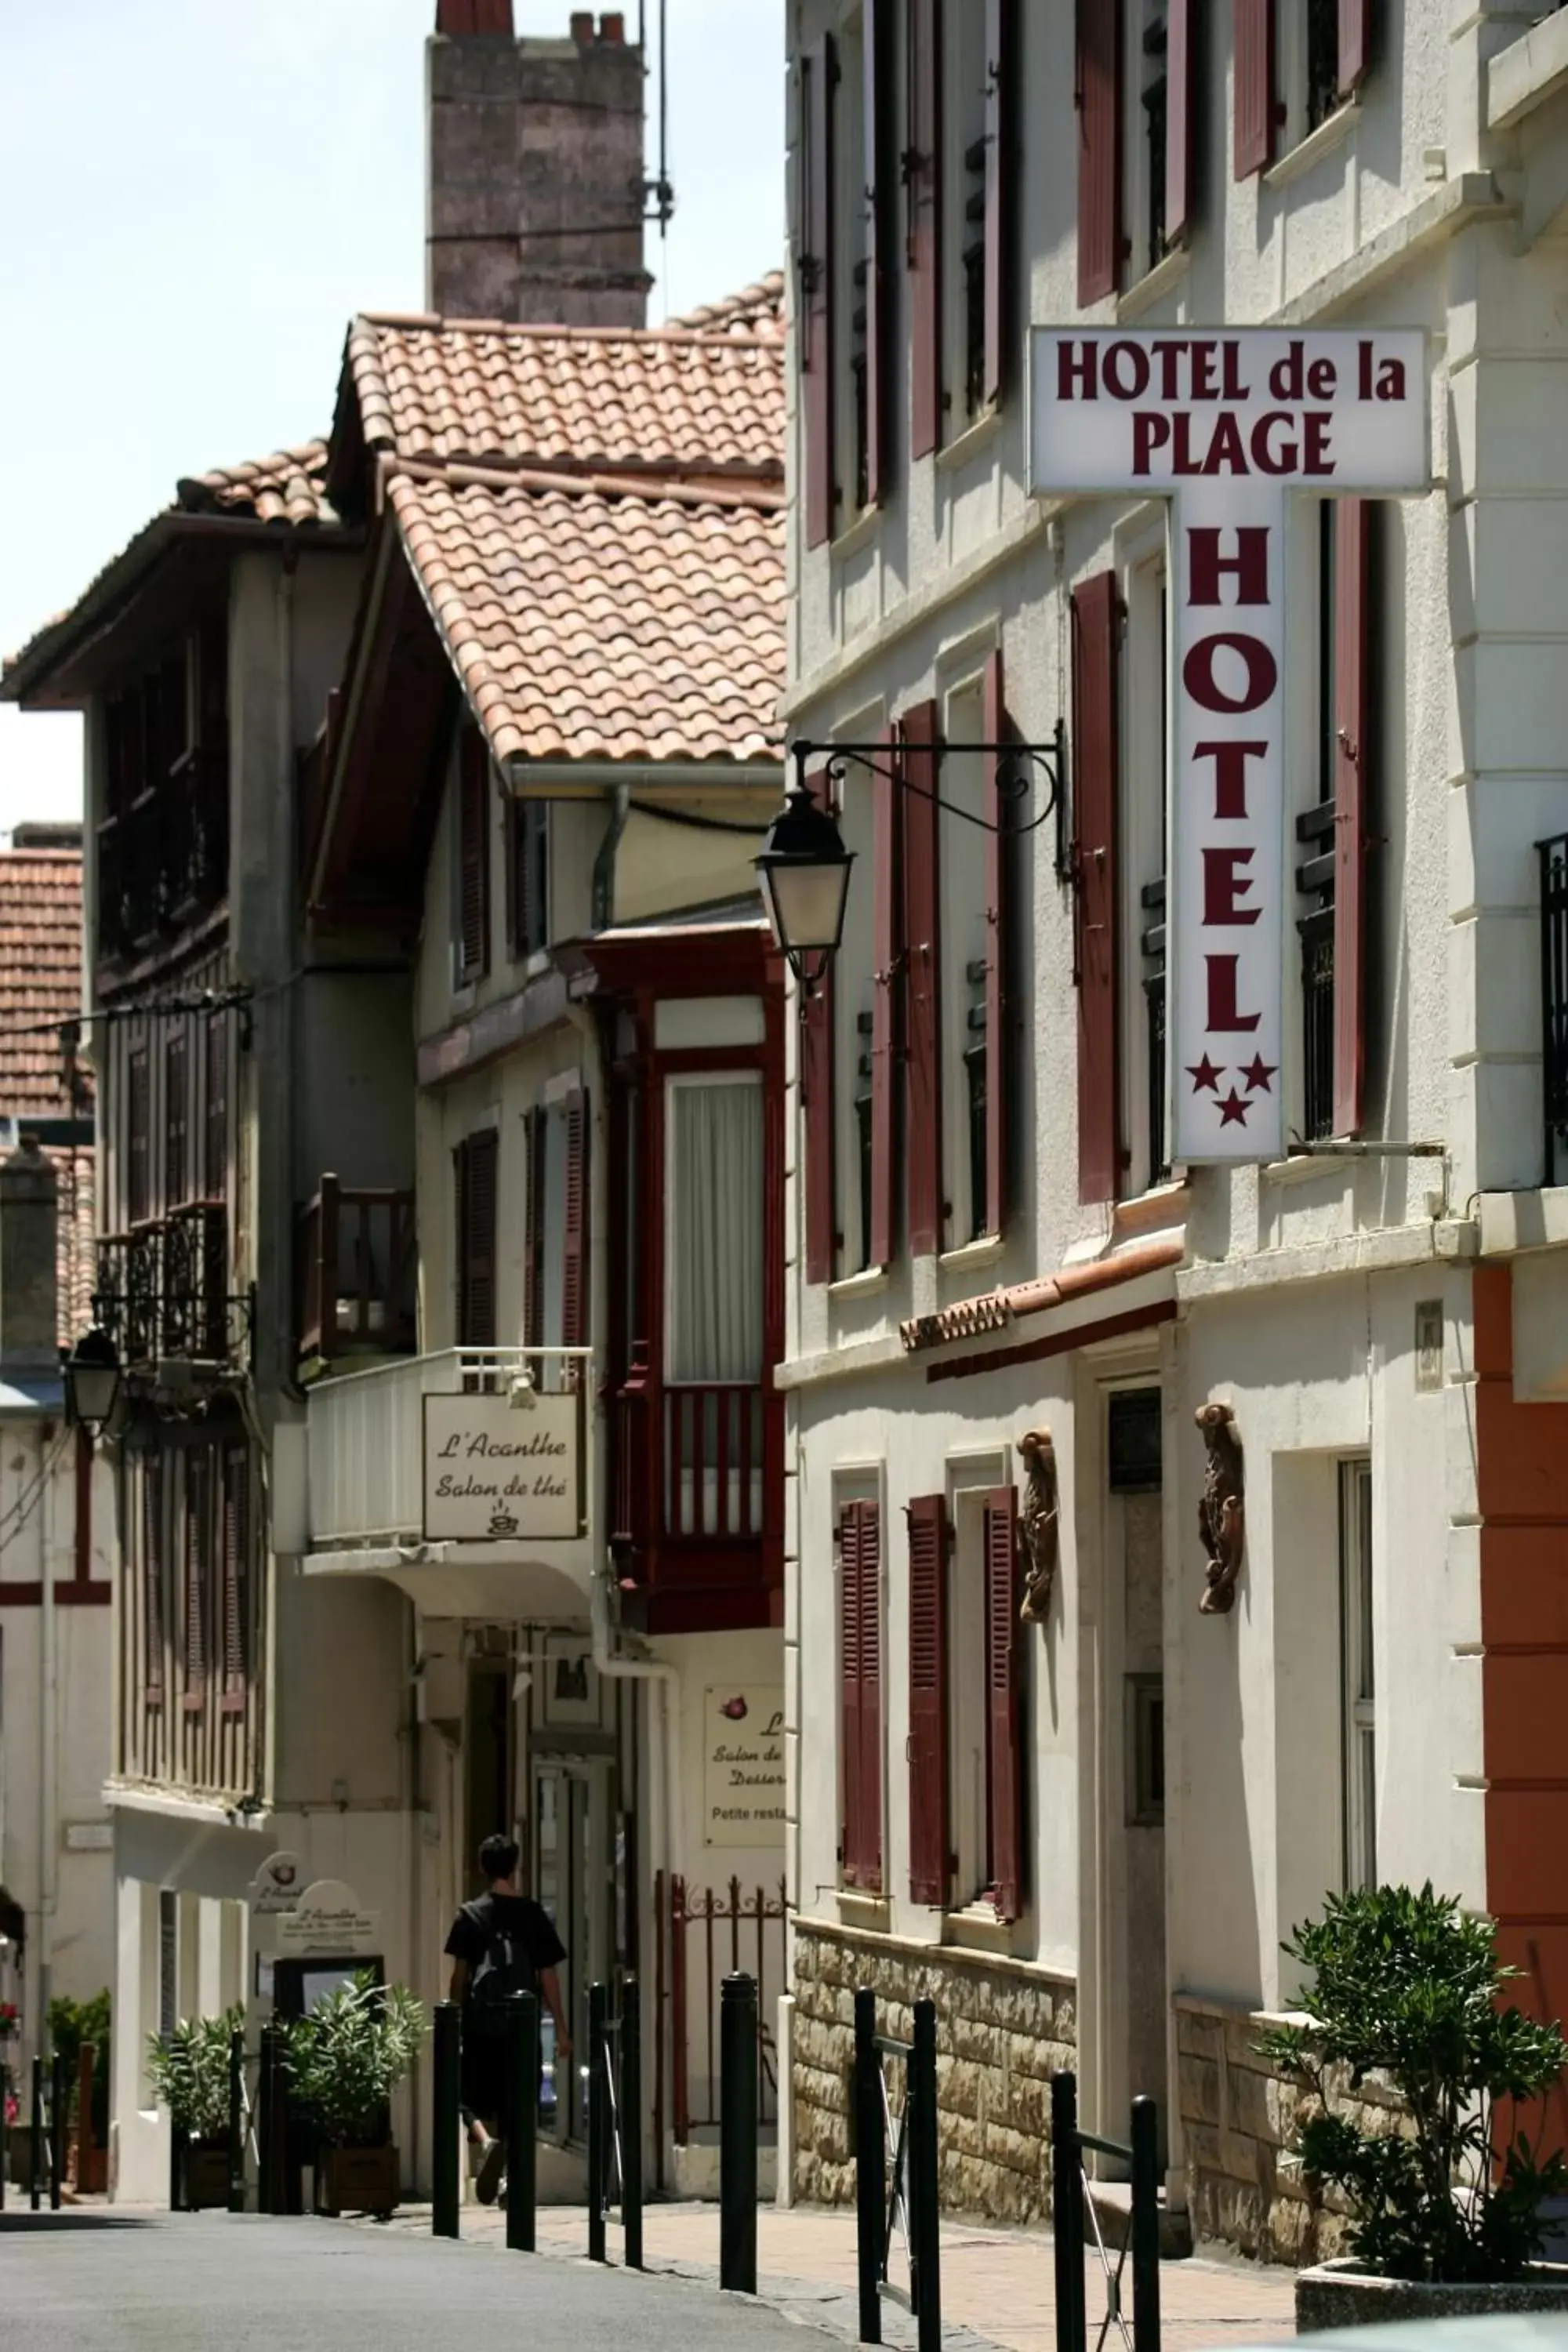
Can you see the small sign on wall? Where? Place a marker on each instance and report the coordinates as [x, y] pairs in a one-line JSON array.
[[494, 1470], [743, 1765]]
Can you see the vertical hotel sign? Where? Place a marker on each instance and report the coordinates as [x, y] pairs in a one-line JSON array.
[[1225, 426]]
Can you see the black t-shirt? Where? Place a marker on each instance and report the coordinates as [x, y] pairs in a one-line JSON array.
[[517, 1916]]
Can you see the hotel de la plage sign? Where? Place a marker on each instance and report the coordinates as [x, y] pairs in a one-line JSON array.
[[1225, 426], [495, 1471]]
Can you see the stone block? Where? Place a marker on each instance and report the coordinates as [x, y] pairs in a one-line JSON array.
[[1241, 2044], [1254, 2103], [965, 2133], [1198, 2086], [1029, 2103], [1014, 2151], [1203, 2148], [1238, 2157], [992, 2088], [1063, 2019], [1199, 2037], [957, 2087], [987, 2044], [1240, 2215]]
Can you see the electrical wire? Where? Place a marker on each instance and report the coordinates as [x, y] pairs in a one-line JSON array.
[[12, 1521]]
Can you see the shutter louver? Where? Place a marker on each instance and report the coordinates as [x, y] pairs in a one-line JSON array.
[[1252, 95], [1354, 43], [473, 858], [927, 1517], [533, 1129], [1094, 610], [1181, 114], [138, 1138], [886, 1005], [1000, 1056], [477, 1240], [1352, 751], [819, 75], [870, 1767], [818, 1106], [877, 64], [236, 1572], [1001, 167], [176, 1121], [575, 1266], [850, 1692], [215, 1138], [197, 1555], [923, 164], [153, 1583], [1098, 103], [923, 968], [1004, 1729]]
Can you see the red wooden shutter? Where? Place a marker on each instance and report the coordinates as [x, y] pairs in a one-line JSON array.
[[1252, 95], [1000, 856], [1098, 103], [1354, 43], [215, 1146], [1000, 169], [477, 1240], [236, 1572], [927, 1517], [473, 855], [1352, 751], [876, 68], [923, 967], [818, 73], [197, 1557], [138, 1138], [574, 1268], [176, 1121], [861, 1688], [1181, 104], [817, 1107], [1095, 618], [534, 1130], [887, 1002], [923, 164], [1004, 1730], [153, 1583]]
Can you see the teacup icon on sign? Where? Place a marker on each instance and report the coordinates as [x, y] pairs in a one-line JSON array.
[[734, 1710]]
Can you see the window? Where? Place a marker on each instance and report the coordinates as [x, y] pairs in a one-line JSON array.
[[1134, 91], [1145, 98], [197, 1552], [176, 1121], [859, 1546], [853, 230], [138, 1138], [965, 155], [1307, 40], [964, 933], [713, 1239], [473, 864], [475, 1164], [236, 1585], [1296, 62], [556, 1233], [1144, 816], [153, 1584], [1358, 1684], [984, 1697], [528, 838], [215, 1149], [1332, 833]]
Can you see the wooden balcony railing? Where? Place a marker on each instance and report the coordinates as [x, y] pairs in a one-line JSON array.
[[162, 861], [695, 1496], [357, 1267]]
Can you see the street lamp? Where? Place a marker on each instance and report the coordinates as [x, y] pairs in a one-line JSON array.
[[91, 1373], [804, 868]]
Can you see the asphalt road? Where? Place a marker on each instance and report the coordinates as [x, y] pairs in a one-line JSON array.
[[216, 2283]]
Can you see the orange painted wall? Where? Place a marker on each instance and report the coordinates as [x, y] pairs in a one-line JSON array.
[[1522, 1469]]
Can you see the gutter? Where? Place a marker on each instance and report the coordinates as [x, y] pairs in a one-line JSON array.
[[994, 1312]]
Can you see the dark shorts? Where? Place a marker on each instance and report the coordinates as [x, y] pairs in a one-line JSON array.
[[485, 2090]]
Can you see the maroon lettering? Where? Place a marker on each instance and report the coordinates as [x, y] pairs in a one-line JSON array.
[[1121, 356], [1226, 450], [1322, 377], [1224, 886], [1317, 458], [1151, 431], [1170, 355], [1266, 457], [1224, 1016], [1076, 375], [1285, 375], [1234, 387], [1198, 678], [1364, 370], [1206, 566], [1391, 380], [1229, 774], [1203, 384]]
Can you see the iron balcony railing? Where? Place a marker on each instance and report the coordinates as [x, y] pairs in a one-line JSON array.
[[1554, 856], [356, 1269], [164, 1290]]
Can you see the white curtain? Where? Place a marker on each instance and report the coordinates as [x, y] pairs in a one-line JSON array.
[[715, 1230]]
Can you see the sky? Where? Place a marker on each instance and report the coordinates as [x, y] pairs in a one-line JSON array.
[[197, 194]]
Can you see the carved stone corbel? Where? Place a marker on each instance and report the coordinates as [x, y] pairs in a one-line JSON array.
[[1222, 1507], [1037, 1518]]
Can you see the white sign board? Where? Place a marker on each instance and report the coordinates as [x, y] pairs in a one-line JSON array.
[[328, 1919], [743, 1765], [278, 1885], [495, 1470], [1224, 425]]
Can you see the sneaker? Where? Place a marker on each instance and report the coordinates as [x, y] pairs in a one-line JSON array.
[[492, 2172]]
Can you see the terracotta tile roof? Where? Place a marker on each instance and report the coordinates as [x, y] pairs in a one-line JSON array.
[[289, 486], [40, 977], [76, 1249], [670, 402], [756, 309], [601, 620]]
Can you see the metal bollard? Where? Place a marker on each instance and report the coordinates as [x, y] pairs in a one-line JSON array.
[[1066, 2213], [177, 2146], [443, 2173], [631, 2123], [599, 2118], [738, 2134], [237, 2123], [925, 2247], [35, 2137], [57, 2104], [870, 2166], [522, 2122], [1145, 2226]]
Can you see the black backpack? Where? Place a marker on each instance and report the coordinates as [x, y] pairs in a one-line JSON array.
[[502, 1970]]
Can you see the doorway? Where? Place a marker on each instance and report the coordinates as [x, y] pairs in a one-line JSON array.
[[573, 1882]]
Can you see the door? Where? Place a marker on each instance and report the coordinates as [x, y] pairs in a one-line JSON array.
[[573, 1881]]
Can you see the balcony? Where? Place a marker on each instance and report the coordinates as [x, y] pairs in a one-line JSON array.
[[426, 1472], [163, 1291], [163, 860], [357, 1269], [692, 1466]]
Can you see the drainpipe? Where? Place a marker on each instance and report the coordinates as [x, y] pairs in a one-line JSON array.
[[48, 1768], [603, 901]]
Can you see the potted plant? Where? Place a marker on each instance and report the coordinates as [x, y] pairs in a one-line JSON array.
[[189, 2071], [344, 2060], [1444, 2192]]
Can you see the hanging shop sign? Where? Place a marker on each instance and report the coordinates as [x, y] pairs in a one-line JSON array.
[[495, 1470], [1225, 426]]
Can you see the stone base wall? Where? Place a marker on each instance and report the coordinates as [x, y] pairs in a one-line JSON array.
[[1004, 2028], [1237, 2120]]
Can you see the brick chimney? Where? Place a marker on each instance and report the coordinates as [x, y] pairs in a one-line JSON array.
[[534, 198], [30, 1336]]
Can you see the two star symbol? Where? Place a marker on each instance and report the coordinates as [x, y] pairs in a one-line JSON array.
[[1233, 1107]]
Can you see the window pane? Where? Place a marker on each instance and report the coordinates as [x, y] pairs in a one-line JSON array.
[[715, 1232]]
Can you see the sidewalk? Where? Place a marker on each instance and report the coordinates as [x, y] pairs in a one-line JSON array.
[[997, 2286]]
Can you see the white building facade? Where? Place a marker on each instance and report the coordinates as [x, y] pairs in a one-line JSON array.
[[1042, 1782]]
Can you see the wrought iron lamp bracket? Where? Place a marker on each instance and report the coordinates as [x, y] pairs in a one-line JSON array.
[[1021, 770]]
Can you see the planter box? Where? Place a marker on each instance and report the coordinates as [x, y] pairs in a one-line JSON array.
[[357, 2180], [90, 2170], [206, 2175], [1342, 2294]]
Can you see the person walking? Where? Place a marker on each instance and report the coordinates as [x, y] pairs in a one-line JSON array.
[[503, 1943]]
